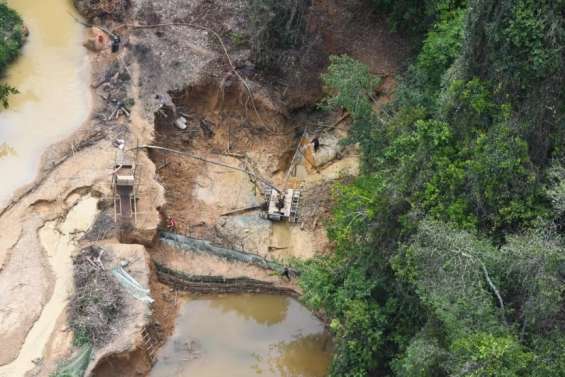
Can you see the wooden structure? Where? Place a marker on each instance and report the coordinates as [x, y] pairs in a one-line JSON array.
[[283, 206], [124, 186]]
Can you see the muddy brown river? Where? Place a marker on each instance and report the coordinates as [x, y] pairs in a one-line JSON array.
[[243, 336], [52, 76]]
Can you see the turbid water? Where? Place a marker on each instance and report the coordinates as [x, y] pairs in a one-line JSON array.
[[52, 76], [244, 336]]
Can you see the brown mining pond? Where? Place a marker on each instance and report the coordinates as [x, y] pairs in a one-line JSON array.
[[243, 336], [52, 77]]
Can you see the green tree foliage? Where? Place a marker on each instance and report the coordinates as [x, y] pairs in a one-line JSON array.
[[549, 358], [533, 269], [424, 357], [556, 191], [5, 91], [450, 271], [356, 287], [11, 41], [487, 355], [353, 87], [449, 253], [517, 46]]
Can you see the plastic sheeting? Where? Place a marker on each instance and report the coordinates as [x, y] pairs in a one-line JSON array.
[[132, 285], [200, 246], [76, 366]]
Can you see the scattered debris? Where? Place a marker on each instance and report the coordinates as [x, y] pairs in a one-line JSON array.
[[316, 204], [251, 174], [239, 211], [103, 228], [119, 143], [206, 126], [97, 303]]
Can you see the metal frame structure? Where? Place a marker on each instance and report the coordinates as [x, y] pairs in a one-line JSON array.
[[290, 205], [125, 185]]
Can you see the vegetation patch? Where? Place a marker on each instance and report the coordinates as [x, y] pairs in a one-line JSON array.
[[11, 42], [449, 247]]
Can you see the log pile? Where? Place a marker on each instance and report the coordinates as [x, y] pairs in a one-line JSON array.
[[217, 284]]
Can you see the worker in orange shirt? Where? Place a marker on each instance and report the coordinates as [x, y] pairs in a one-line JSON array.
[[171, 224]]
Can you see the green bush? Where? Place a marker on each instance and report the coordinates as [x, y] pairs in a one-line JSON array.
[[448, 255], [11, 42], [415, 16], [487, 355]]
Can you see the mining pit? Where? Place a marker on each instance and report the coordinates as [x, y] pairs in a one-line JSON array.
[[191, 273]]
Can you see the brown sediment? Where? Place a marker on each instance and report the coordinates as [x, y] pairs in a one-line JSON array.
[[182, 69]]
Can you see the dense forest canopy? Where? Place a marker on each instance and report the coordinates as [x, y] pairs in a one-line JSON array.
[[11, 41], [449, 254]]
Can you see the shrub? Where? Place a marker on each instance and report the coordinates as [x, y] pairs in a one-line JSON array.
[[11, 41]]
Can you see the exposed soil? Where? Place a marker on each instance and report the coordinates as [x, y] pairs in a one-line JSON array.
[[259, 134], [198, 194], [172, 71]]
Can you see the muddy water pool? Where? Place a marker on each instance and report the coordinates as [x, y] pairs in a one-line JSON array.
[[243, 336], [52, 77]]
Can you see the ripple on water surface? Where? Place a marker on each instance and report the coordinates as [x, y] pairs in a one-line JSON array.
[[245, 335], [52, 76]]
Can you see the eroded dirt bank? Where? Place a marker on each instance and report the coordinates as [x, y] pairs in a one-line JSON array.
[[159, 74]]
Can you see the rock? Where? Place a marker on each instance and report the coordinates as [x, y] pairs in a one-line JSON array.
[[180, 123], [329, 150]]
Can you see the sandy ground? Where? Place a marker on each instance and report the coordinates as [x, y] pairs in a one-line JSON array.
[[41, 229]]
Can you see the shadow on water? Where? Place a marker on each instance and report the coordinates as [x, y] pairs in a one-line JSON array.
[[245, 335]]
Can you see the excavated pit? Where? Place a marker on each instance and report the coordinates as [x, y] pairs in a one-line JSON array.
[[223, 126]]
